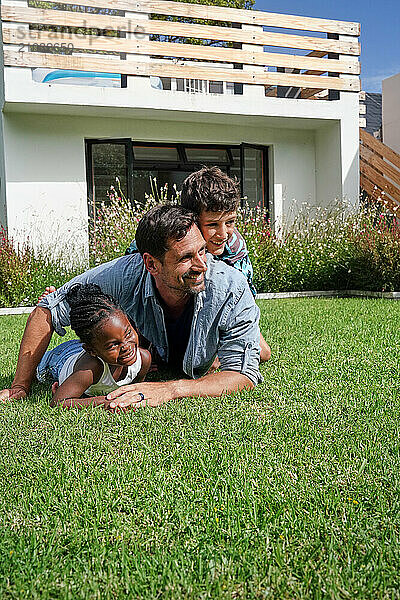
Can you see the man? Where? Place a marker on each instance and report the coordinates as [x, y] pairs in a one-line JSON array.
[[189, 310]]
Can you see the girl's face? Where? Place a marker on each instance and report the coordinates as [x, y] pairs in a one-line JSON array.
[[217, 228], [115, 341]]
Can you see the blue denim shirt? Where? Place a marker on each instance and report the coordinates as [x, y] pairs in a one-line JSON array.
[[225, 319]]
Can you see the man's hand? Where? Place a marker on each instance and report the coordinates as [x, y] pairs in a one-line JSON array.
[[34, 343], [141, 394], [154, 394], [13, 393]]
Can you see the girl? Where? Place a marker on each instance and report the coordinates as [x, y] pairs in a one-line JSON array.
[[106, 357]]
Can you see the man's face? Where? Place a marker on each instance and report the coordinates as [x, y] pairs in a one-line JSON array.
[[217, 228], [184, 264]]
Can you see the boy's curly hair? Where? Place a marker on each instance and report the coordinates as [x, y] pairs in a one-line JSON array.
[[210, 189]]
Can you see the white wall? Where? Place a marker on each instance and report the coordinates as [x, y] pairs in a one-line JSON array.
[[45, 165], [328, 164], [46, 188], [391, 111], [3, 211]]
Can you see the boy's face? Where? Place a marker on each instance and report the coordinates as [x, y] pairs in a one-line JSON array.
[[217, 228]]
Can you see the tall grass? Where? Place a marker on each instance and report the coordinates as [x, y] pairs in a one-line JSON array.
[[114, 226], [26, 271], [333, 248], [315, 249]]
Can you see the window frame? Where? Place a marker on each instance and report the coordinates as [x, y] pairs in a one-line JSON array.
[[265, 169], [182, 164]]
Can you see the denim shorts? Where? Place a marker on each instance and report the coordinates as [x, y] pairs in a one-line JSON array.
[[53, 360]]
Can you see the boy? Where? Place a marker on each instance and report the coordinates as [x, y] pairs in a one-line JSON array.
[[215, 197]]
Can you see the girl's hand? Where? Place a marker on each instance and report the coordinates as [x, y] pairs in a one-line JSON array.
[[95, 401], [46, 292]]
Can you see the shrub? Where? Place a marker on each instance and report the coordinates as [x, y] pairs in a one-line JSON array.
[[324, 249], [14, 271], [317, 250], [25, 272]]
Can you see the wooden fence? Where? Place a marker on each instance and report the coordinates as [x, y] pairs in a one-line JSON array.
[[379, 171], [325, 59]]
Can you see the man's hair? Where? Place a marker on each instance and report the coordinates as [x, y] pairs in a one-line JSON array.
[[161, 225], [89, 308], [210, 189]]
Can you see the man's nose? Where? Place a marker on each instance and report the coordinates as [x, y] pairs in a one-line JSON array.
[[200, 262]]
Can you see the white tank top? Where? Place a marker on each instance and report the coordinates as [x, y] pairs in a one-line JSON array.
[[106, 383]]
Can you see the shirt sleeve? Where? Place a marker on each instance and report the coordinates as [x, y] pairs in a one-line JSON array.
[[246, 268], [239, 343], [109, 277], [132, 248], [237, 256]]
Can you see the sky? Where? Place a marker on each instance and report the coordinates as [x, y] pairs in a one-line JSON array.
[[380, 30]]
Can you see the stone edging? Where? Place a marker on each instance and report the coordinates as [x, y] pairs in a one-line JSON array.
[[18, 310], [25, 310], [330, 294]]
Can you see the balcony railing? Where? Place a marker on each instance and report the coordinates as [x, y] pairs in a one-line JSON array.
[[247, 49]]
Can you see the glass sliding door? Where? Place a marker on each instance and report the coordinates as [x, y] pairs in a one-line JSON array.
[[107, 161], [142, 166], [170, 164], [254, 175]]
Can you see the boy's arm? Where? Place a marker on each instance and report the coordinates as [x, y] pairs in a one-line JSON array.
[[239, 258]]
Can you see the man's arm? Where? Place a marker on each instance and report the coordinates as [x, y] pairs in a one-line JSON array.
[[36, 338], [155, 394]]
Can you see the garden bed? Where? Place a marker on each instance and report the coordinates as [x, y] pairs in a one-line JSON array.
[[330, 249], [288, 491]]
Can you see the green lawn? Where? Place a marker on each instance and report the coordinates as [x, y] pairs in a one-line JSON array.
[[289, 491]]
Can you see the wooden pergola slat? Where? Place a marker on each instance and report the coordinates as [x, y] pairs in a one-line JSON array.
[[314, 66], [205, 32], [13, 58]]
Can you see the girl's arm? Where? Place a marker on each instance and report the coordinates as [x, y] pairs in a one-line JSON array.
[[82, 402], [88, 371]]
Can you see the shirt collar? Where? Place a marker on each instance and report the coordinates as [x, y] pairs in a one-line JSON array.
[[149, 287]]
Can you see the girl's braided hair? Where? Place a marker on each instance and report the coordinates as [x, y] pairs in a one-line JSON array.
[[89, 307]]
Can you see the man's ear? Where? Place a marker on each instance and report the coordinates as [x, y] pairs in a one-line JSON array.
[[153, 265]]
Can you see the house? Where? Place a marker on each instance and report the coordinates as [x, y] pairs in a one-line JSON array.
[[391, 112], [371, 113], [89, 94]]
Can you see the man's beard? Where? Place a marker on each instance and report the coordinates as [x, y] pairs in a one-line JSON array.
[[194, 289]]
